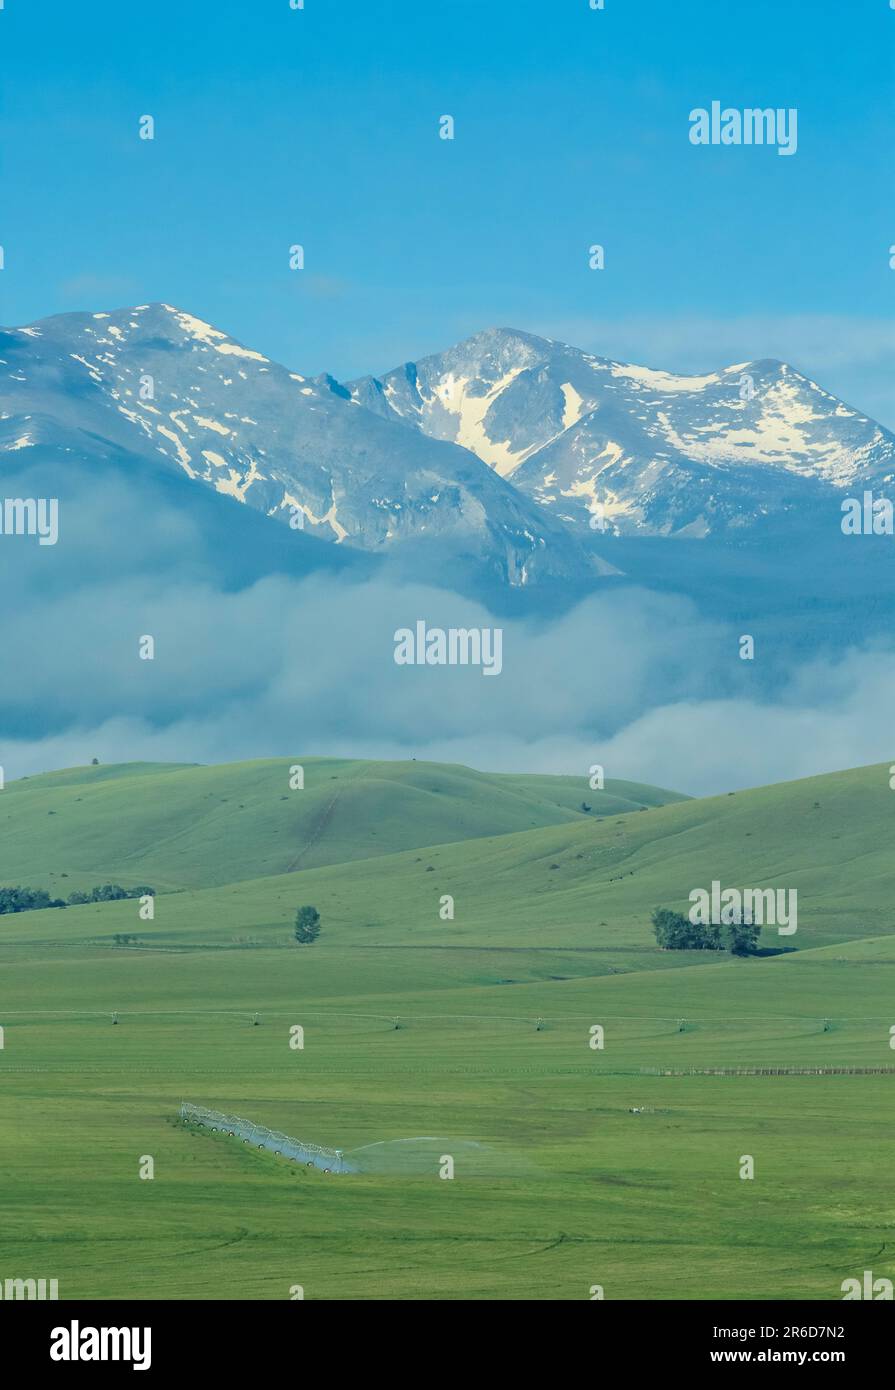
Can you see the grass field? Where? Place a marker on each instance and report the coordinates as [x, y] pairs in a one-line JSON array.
[[568, 1188]]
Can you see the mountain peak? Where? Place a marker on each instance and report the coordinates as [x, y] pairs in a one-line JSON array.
[[582, 437], [495, 334], [162, 385], [645, 450], [116, 327]]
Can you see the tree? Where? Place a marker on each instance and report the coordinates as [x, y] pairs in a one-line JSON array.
[[668, 927], [712, 937], [742, 938], [26, 900], [675, 932], [109, 893], [307, 925]]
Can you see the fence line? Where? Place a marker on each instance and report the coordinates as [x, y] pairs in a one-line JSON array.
[[767, 1071], [726, 1020], [300, 1151]]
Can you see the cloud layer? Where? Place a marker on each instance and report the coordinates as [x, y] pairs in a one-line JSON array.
[[638, 681]]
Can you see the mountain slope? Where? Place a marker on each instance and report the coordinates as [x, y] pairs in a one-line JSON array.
[[659, 453], [504, 454], [176, 826], [421, 456], [160, 385]]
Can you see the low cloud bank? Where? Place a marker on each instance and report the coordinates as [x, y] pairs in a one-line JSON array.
[[636, 681]]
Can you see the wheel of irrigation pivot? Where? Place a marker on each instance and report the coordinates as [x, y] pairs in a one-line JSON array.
[[327, 1170]]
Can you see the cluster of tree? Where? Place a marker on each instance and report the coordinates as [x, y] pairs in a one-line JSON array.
[[34, 899], [307, 925], [109, 893], [26, 900], [675, 932]]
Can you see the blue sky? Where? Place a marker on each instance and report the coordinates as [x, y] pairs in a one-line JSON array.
[[320, 126]]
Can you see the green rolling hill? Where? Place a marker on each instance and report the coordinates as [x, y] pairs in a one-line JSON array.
[[585, 882], [614, 1166], [177, 826]]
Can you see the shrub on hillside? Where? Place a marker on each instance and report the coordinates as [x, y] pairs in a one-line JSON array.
[[307, 925]]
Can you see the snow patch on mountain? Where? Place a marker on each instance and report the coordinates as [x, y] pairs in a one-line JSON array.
[[649, 451], [156, 382], [574, 405], [507, 449], [662, 381], [470, 407]]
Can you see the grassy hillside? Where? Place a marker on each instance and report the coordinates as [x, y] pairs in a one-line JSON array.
[[559, 1184], [178, 826], [584, 883]]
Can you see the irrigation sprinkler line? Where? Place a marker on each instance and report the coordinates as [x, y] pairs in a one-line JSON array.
[[251, 1132]]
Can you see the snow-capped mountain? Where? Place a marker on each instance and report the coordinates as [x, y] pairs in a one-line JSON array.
[[647, 451], [508, 454], [157, 383]]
